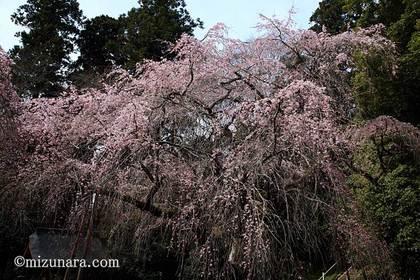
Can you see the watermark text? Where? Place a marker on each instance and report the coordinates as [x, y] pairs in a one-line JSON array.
[[39, 262]]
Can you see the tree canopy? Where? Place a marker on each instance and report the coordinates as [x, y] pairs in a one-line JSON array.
[[99, 44], [149, 28], [41, 62]]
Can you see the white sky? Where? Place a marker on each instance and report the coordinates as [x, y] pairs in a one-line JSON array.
[[239, 16]]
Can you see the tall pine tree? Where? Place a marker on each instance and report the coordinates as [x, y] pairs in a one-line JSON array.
[[99, 44], [41, 61], [150, 27]]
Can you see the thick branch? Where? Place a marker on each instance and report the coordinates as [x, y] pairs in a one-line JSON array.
[[141, 205]]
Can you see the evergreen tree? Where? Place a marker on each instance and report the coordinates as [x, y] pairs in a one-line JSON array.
[[99, 46], [98, 43], [337, 15], [150, 27], [42, 60], [330, 14]]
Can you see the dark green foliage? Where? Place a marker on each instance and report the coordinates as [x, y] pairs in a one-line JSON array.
[[375, 87], [410, 78], [98, 44], [403, 28], [41, 61], [406, 33], [338, 15], [387, 186], [148, 29], [363, 11], [330, 14], [100, 49]]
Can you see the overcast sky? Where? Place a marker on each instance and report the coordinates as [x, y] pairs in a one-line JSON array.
[[239, 15]]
